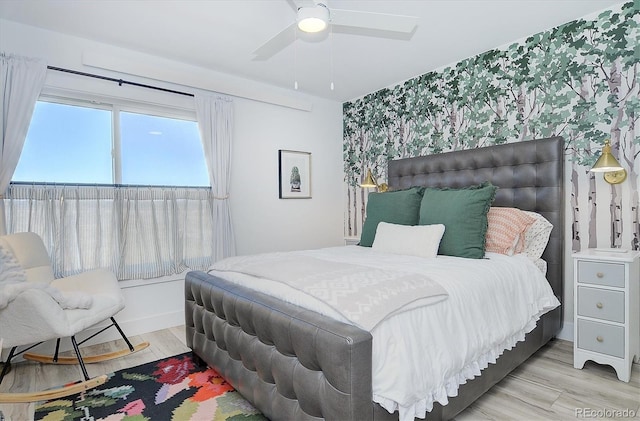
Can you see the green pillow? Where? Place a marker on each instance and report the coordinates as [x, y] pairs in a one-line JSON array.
[[396, 207], [464, 215]]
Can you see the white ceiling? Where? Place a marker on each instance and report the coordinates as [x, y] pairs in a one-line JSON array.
[[222, 34]]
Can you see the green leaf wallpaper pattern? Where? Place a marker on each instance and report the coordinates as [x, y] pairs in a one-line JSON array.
[[579, 80]]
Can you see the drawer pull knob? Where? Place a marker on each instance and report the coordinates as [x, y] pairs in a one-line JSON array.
[[599, 305], [600, 275], [599, 339]]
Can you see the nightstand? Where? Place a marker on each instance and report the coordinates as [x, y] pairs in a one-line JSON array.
[[351, 241], [606, 295]]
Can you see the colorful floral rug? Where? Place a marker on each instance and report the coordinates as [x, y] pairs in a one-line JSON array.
[[171, 389]]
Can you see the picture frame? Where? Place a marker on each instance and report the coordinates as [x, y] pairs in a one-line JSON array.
[[294, 174]]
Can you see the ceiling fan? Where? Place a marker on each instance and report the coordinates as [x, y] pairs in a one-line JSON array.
[[315, 16]]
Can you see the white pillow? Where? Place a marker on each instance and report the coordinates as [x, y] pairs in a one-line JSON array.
[[411, 240], [537, 236]]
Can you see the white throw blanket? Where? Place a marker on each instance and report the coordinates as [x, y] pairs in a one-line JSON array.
[[13, 282], [363, 295]]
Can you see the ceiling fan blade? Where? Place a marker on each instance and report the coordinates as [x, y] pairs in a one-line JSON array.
[[296, 4], [293, 5], [277, 43], [370, 20]]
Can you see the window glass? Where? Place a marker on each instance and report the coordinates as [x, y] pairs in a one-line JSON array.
[[73, 144], [161, 151], [67, 144]]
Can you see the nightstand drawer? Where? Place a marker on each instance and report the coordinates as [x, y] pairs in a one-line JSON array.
[[601, 338], [610, 274], [602, 304]]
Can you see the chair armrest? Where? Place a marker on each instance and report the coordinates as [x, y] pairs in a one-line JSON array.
[[98, 281], [33, 316]]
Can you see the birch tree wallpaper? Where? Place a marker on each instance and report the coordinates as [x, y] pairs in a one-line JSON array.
[[579, 80]]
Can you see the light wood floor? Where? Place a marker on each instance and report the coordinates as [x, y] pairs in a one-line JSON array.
[[546, 387]]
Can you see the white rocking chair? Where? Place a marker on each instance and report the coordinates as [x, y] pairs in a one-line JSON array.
[[35, 307]]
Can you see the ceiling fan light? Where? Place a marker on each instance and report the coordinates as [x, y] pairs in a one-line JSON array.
[[313, 19]]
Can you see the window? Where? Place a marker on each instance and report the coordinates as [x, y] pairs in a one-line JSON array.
[[72, 143], [67, 144], [118, 186], [161, 151]]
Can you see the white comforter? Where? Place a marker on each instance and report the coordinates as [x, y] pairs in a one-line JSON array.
[[423, 355]]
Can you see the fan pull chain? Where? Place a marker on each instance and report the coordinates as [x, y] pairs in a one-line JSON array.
[[331, 53]]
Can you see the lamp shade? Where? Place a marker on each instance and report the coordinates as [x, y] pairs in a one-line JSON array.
[[606, 162], [313, 19], [369, 182]]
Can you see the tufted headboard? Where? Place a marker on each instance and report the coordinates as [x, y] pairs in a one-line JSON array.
[[529, 174]]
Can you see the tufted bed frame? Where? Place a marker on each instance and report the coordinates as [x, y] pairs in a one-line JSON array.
[[295, 364]]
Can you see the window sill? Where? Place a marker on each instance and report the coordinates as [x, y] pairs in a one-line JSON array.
[[134, 283]]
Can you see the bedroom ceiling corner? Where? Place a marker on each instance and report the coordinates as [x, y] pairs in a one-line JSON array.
[[222, 35]]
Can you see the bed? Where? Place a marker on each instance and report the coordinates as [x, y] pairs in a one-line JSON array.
[[295, 363]]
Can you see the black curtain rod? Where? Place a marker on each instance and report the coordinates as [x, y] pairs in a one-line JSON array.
[[120, 82]]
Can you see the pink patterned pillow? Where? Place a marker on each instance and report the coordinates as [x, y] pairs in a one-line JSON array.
[[505, 234]]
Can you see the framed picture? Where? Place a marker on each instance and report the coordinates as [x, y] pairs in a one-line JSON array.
[[294, 170]]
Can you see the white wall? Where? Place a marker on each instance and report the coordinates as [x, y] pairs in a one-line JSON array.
[[262, 222]]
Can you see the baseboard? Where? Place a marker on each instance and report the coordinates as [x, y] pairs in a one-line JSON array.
[[566, 332], [151, 323], [132, 327]]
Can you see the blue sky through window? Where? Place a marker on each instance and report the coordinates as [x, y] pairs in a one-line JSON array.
[[161, 151], [66, 144], [72, 144]]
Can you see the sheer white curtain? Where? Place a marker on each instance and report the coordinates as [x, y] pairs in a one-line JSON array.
[[215, 121], [21, 80], [137, 232]]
